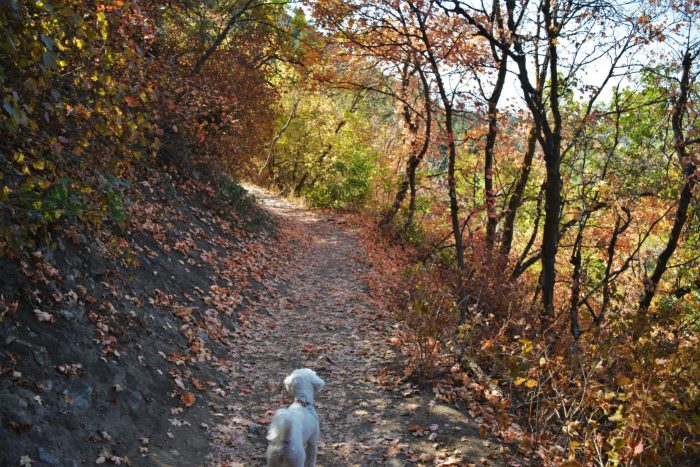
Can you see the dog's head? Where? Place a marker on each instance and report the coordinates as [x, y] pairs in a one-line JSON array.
[[302, 384]]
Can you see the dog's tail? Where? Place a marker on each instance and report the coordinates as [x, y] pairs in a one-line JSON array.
[[279, 427]]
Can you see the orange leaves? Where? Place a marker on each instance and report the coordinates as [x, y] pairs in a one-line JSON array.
[[310, 348], [188, 399], [415, 428], [197, 384], [131, 101]]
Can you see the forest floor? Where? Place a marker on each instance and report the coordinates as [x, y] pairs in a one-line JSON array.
[[166, 341], [321, 315]]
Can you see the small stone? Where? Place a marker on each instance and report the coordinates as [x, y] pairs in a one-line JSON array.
[[96, 265], [80, 395], [255, 428], [41, 355], [67, 314], [46, 457]]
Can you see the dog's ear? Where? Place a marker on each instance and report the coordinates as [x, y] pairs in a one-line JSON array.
[[289, 384], [317, 382]]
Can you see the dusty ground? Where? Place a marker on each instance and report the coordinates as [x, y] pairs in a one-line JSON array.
[[321, 316]]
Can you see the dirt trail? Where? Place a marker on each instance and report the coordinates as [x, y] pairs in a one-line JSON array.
[[319, 314]]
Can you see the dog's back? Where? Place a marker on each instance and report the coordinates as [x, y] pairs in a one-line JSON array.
[[280, 451], [294, 431]]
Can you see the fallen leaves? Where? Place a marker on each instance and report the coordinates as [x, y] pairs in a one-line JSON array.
[[44, 316], [530, 383], [70, 369], [188, 399], [415, 428]]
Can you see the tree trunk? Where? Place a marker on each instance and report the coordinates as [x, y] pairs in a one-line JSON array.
[[220, 38], [553, 183], [452, 156], [409, 181], [489, 193], [689, 176], [516, 198]]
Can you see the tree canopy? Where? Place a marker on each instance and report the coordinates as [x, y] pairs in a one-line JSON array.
[[540, 156]]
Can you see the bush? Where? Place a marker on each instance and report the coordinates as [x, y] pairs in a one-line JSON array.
[[231, 195], [430, 318], [348, 185]]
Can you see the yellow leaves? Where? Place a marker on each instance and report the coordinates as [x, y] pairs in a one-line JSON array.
[[39, 165], [5, 193], [622, 380], [529, 383], [617, 416]]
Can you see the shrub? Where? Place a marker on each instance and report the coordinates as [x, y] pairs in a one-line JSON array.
[[231, 195], [430, 318], [348, 183]]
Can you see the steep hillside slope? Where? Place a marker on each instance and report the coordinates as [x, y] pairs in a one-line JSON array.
[[113, 344]]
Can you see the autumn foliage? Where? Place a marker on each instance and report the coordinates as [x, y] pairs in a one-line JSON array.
[[538, 161]]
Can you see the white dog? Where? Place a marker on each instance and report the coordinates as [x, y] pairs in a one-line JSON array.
[[293, 433]]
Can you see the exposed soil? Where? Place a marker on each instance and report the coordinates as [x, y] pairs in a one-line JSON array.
[[131, 350], [167, 343]]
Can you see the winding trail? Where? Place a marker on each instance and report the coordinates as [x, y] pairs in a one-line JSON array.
[[317, 312]]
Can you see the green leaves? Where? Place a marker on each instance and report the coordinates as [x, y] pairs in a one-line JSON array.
[[61, 128]]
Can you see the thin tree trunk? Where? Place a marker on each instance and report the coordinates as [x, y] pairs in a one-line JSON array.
[[689, 176], [409, 181], [452, 156], [411, 203], [220, 38], [270, 161], [489, 192], [516, 198], [576, 280]]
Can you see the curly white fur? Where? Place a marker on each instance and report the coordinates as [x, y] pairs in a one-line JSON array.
[[294, 431]]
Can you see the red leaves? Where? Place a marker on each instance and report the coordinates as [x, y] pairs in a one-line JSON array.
[[131, 101]]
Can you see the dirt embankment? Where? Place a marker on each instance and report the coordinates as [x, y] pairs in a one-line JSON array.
[[113, 347]]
